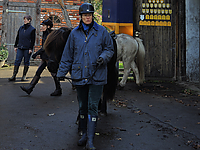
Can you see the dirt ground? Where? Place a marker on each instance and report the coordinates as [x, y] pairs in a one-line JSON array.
[[172, 90], [155, 116], [166, 114]]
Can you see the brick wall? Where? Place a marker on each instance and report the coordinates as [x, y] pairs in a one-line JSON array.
[[53, 13], [73, 14]]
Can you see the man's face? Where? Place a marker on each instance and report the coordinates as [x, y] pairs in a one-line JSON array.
[[87, 18], [26, 21], [43, 27]]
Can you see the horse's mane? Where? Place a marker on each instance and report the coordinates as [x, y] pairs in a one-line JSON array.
[[56, 40]]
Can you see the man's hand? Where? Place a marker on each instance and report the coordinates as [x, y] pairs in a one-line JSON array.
[[34, 55], [30, 51], [100, 61], [15, 49]]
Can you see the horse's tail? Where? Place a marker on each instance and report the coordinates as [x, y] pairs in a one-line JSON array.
[[140, 59], [112, 76]]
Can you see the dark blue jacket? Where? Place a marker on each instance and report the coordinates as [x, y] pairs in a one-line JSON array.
[[26, 37], [81, 53]]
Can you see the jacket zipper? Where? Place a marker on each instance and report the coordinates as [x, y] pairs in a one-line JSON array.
[[86, 36]]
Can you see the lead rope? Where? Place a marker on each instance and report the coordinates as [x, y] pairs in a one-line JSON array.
[[88, 79]]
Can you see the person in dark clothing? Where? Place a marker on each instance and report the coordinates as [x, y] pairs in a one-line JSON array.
[[88, 50], [46, 28], [24, 44]]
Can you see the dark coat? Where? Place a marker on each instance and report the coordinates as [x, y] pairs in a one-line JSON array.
[[81, 53], [25, 37]]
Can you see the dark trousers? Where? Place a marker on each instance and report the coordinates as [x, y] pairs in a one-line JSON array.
[[40, 69], [88, 98], [20, 55]]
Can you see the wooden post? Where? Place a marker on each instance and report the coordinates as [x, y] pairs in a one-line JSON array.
[[181, 40], [199, 45], [38, 9], [134, 17], [65, 13], [4, 22]]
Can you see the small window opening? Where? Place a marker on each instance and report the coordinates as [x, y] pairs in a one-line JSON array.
[[55, 19]]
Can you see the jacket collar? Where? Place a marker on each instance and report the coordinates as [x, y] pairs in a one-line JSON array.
[[96, 26], [25, 26]]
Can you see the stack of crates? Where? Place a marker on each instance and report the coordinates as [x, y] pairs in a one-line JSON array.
[[117, 15]]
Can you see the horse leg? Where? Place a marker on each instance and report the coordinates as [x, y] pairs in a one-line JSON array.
[[136, 72], [103, 107], [141, 72], [125, 77]]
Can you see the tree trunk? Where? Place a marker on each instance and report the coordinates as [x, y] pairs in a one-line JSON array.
[[4, 22], [65, 13], [38, 8]]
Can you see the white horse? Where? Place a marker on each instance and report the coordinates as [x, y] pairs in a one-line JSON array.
[[130, 49]]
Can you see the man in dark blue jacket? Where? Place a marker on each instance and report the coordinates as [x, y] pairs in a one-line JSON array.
[[24, 44], [88, 50]]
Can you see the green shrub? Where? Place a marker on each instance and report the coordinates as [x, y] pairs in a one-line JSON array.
[[3, 52]]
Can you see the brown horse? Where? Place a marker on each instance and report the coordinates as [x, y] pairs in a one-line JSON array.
[[54, 46]]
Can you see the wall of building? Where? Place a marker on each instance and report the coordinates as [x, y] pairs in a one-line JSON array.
[[49, 9], [192, 40]]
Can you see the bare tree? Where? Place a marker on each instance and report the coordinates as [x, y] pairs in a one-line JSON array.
[[65, 13], [4, 22], [38, 8]]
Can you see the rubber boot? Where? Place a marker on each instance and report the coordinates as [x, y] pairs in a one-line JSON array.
[[91, 127], [58, 90], [13, 78], [83, 128], [29, 88], [24, 73]]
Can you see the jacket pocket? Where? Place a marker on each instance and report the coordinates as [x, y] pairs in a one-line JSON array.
[[76, 71], [101, 73]]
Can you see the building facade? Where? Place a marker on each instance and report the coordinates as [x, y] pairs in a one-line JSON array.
[[63, 13]]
